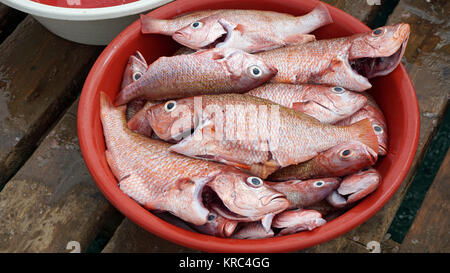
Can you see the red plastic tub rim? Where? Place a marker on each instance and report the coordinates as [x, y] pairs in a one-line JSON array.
[[394, 93]]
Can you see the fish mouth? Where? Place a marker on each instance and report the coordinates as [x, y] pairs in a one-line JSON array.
[[266, 200], [371, 67], [216, 204], [372, 155], [382, 149], [219, 207]]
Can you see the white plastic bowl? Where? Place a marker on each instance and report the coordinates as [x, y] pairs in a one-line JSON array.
[[93, 26]]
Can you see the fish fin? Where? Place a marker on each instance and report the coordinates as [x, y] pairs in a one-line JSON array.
[[140, 58], [299, 39], [265, 169], [266, 221], [322, 14], [227, 25], [300, 106], [316, 18], [113, 165], [365, 134], [239, 28], [151, 25]]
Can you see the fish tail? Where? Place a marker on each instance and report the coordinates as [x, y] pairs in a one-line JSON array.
[[151, 25], [107, 106], [322, 14], [363, 132], [318, 17]]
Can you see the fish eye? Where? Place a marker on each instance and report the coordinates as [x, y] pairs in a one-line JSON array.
[[196, 25], [170, 105], [378, 32], [346, 153], [137, 76], [212, 217], [378, 129], [318, 184], [255, 71], [338, 89], [255, 181]]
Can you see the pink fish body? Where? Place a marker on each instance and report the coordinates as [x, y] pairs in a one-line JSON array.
[[256, 151], [293, 221], [347, 62], [372, 112], [306, 193], [326, 104], [252, 30], [252, 230], [160, 180], [359, 185], [211, 71], [343, 159]]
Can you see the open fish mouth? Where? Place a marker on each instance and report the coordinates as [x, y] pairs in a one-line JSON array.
[[379, 66], [219, 207], [372, 154], [216, 204]]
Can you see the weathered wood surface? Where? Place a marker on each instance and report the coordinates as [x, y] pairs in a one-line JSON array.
[[52, 200], [430, 231], [427, 60], [130, 238], [40, 76], [363, 10], [9, 19]]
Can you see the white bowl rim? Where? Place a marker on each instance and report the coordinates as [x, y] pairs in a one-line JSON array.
[[83, 14]]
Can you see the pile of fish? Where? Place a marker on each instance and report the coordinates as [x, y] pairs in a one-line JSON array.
[[254, 128]]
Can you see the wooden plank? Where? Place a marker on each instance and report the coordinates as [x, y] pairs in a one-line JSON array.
[[363, 10], [130, 238], [40, 76], [9, 19], [427, 60], [430, 231], [390, 246], [52, 200]]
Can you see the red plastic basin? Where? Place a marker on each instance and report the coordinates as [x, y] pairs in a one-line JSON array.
[[394, 93]]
